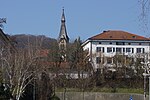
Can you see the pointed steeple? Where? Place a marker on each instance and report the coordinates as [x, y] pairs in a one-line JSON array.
[[63, 16], [63, 38]]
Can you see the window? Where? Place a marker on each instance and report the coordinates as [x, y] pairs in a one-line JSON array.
[[98, 60], [62, 41], [100, 43], [109, 49], [138, 50], [62, 46], [133, 37], [110, 43], [118, 50], [98, 49], [109, 60], [140, 59], [128, 49]]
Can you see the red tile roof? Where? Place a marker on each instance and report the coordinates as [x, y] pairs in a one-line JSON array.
[[118, 35]]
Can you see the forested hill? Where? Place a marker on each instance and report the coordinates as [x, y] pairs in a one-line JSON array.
[[23, 40]]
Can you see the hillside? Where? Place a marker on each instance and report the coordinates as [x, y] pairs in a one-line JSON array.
[[22, 40]]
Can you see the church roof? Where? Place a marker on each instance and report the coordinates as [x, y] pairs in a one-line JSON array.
[[118, 35]]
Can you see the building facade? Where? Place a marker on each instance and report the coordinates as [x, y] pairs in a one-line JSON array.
[[105, 46]]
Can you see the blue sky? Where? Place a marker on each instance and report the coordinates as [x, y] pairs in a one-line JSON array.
[[84, 18]]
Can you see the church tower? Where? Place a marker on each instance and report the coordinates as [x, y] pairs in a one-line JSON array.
[[63, 38]]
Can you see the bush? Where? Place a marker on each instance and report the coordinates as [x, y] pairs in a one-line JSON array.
[[54, 97], [4, 94]]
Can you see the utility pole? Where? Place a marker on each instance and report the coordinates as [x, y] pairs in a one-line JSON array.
[[144, 87], [146, 66]]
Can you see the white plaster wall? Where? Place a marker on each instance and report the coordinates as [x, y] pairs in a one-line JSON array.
[[133, 44]]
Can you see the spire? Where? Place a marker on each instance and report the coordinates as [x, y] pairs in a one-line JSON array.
[[63, 32], [63, 16]]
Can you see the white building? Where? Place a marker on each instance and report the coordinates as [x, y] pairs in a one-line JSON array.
[[104, 46]]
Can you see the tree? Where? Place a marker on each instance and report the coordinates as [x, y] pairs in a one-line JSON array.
[[4, 93], [78, 61], [19, 68], [54, 57], [45, 89], [120, 63], [78, 57], [100, 70], [145, 8]]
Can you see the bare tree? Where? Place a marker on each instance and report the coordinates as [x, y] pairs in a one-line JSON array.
[[144, 15], [19, 68]]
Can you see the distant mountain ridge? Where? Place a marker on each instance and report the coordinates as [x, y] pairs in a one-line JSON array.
[[22, 40]]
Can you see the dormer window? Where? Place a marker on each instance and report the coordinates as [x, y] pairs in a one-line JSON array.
[[129, 43], [133, 37]]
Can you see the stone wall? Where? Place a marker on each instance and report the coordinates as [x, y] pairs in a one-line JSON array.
[[97, 96]]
